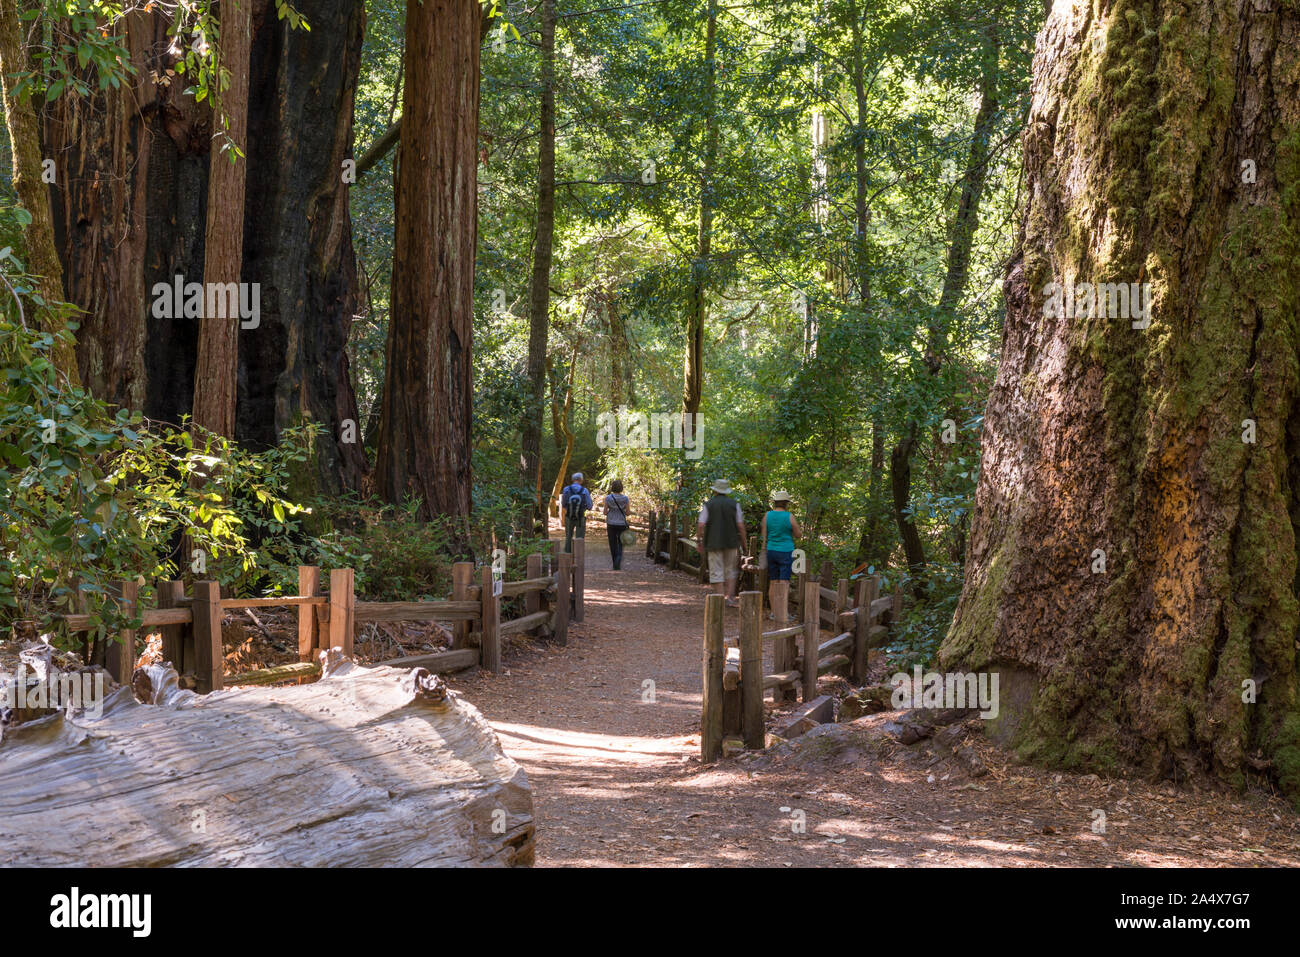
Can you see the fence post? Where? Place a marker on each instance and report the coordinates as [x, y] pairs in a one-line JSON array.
[[490, 640], [209, 661], [579, 575], [342, 608], [714, 655], [533, 599], [760, 577], [862, 627], [170, 594], [672, 541], [751, 669], [652, 538], [796, 594], [896, 609], [563, 569], [121, 656], [811, 636], [308, 632], [462, 576], [828, 573], [841, 601]]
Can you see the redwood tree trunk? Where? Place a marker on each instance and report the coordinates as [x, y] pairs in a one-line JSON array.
[[130, 205], [1179, 129], [424, 438], [298, 238], [223, 241]]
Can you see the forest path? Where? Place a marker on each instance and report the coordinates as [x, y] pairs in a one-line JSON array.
[[618, 781]]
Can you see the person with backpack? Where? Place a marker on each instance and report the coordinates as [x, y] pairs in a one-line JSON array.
[[615, 506], [721, 531], [779, 531], [575, 502]]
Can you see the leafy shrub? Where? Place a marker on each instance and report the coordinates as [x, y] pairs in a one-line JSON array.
[[92, 495]]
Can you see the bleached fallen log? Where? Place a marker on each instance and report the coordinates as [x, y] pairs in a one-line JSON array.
[[365, 767]]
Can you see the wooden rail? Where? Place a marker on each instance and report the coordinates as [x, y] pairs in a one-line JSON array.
[[191, 626], [734, 682]]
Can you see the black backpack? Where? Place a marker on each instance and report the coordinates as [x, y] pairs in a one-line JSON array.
[[575, 506]]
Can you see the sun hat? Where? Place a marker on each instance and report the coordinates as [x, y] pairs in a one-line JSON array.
[[721, 486], [780, 495]]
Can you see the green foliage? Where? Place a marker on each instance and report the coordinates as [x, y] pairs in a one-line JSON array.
[[93, 496]]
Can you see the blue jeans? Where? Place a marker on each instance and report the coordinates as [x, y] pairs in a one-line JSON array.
[[779, 565]]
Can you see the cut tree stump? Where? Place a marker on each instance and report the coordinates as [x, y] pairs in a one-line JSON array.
[[367, 767]]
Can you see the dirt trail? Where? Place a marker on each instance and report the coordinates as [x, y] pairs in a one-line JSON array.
[[618, 782]]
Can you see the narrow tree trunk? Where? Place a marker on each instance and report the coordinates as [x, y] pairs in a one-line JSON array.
[[961, 236], [223, 242], [567, 432], [1132, 563], [25, 147], [693, 367], [539, 294], [424, 438]]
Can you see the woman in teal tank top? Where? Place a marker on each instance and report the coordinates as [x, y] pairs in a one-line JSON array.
[[779, 532]]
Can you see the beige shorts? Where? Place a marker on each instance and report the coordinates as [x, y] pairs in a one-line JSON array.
[[724, 565]]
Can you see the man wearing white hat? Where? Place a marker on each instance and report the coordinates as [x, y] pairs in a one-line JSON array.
[[720, 529]]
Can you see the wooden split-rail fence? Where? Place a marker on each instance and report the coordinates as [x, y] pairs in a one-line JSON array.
[[735, 680], [190, 626]]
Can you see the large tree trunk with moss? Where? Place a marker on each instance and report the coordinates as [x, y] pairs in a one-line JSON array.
[[1162, 147], [28, 163], [424, 435]]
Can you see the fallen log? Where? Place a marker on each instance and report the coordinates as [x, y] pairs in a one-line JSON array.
[[366, 767]]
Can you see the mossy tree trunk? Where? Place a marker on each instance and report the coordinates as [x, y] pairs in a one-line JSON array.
[[1162, 146], [25, 145]]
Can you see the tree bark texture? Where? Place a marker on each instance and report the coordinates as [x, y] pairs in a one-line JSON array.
[[1132, 562], [424, 437]]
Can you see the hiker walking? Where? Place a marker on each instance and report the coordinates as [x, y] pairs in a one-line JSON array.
[[575, 501], [721, 530], [779, 530], [615, 507]]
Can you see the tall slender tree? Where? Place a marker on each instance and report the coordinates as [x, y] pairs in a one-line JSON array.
[[539, 293], [223, 240]]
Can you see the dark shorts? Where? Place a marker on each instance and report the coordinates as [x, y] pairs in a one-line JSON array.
[[778, 566]]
